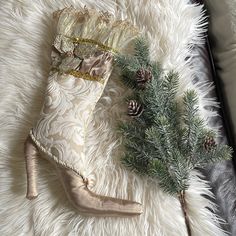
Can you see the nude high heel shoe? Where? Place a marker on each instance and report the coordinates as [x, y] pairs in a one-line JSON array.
[[84, 200], [81, 65]]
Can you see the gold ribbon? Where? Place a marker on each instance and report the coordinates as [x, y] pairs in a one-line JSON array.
[[85, 75], [80, 74], [93, 42]]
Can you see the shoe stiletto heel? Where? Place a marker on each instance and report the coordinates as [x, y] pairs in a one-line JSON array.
[[84, 200], [31, 155]]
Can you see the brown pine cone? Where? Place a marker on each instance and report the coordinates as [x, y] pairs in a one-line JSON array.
[[134, 109], [209, 143], [143, 76]]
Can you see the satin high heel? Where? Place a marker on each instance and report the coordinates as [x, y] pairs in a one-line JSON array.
[[31, 156], [83, 199]]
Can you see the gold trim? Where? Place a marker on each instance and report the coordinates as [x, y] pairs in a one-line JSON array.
[[80, 74], [84, 75], [93, 42]]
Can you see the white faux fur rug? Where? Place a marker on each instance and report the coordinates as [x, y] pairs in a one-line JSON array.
[[172, 27]]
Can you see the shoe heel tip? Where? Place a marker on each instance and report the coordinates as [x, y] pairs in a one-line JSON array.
[[139, 209], [31, 197]]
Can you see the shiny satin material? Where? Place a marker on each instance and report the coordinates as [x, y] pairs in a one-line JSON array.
[[84, 200], [92, 204], [97, 65], [31, 155]]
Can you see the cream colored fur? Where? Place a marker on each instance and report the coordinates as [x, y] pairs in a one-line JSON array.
[[172, 27]]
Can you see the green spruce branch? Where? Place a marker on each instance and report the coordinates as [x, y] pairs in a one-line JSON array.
[[165, 137]]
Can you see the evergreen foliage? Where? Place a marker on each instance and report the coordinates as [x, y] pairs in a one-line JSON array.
[[168, 139]]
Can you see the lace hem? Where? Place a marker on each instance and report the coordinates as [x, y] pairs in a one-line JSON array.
[[98, 28]]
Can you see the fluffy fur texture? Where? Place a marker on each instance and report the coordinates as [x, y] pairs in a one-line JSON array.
[[172, 27], [223, 182], [221, 175]]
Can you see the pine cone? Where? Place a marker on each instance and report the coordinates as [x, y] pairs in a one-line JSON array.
[[134, 109], [209, 143], [142, 77]]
